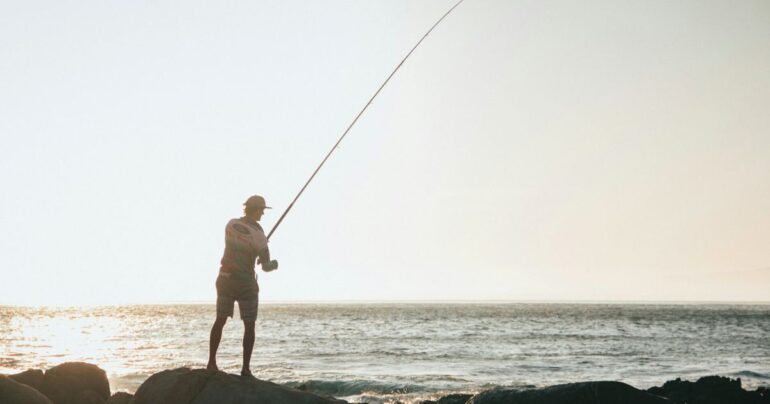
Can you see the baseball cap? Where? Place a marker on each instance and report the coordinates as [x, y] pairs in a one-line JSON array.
[[256, 201]]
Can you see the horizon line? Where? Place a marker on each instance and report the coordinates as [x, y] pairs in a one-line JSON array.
[[410, 301]]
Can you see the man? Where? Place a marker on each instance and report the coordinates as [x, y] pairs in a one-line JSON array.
[[244, 242]]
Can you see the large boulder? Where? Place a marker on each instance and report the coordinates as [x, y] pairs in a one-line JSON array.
[[710, 390], [572, 393], [69, 382], [87, 397], [200, 386], [13, 392], [30, 377], [120, 398]]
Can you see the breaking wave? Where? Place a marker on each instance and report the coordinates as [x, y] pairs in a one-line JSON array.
[[355, 387]]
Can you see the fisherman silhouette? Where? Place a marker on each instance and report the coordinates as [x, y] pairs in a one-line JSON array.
[[245, 241]]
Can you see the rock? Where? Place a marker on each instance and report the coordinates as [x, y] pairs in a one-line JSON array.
[[709, 390], [173, 386], [87, 397], [120, 398], [30, 377], [64, 382], [763, 392], [455, 399], [13, 392], [200, 386], [450, 399], [572, 393]]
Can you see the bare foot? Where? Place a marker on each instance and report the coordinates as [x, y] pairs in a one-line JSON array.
[[247, 373], [212, 366]]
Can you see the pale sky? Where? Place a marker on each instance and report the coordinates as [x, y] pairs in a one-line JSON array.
[[528, 150]]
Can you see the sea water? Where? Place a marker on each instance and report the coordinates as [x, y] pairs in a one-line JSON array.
[[406, 352]]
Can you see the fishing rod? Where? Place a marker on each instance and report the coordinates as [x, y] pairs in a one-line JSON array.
[[356, 119]]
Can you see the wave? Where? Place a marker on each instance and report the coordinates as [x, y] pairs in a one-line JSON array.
[[355, 387], [748, 373]]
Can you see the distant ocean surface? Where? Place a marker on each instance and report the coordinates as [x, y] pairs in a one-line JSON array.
[[384, 352]]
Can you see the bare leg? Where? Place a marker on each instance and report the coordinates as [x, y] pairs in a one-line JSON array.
[[248, 346], [216, 336]]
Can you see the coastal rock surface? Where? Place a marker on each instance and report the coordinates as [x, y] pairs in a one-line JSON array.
[[200, 386], [120, 398], [13, 392], [83, 383], [572, 393], [76, 383], [30, 377], [711, 390], [450, 399]]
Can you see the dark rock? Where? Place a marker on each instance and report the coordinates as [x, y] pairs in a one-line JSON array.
[[13, 392], [573, 393], [450, 399], [62, 383], [763, 392], [120, 398], [30, 377], [87, 397], [454, 399], [200, 386], [172, 386], [709, 390]]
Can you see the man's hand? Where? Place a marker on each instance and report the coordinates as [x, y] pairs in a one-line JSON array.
[[270, 266]]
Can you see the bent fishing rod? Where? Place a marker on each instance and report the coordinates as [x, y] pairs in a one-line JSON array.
[[356, 119]]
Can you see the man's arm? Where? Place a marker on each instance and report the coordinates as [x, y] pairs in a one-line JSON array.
[[264, 259]]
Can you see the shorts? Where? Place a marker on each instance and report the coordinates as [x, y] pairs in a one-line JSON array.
[[245, 292]]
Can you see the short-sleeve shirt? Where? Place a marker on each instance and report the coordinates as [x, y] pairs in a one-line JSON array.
[[244, 240]]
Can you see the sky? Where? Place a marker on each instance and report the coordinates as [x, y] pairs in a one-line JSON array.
[[528, 150]]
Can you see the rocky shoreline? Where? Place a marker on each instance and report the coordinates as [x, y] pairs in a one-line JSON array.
[[84, 383]]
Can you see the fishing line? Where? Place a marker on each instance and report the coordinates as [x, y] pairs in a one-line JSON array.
[[356, 119]]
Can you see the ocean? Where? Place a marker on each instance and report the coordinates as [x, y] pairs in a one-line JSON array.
[[381, 353]]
